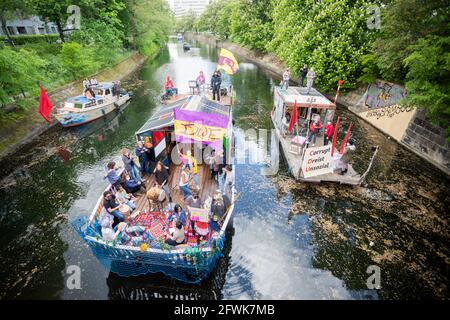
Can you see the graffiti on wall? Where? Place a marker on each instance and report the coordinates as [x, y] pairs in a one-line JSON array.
[[383, 94], [388, 111]]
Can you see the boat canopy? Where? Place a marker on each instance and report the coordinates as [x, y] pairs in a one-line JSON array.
[[163, 118], [312, 100], [103, 85]]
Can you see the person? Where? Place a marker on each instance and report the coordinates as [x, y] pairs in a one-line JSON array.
[[216, 82], [216, 158], [162, 179], [141, 153], [184, 181], [130, 165], [303, 73], [170, 88], [229, 180], [193, 165], [179, 215], [328, 134], [200, 81], [85, 84], [177, 237], [347, 156], [311, 77], [125, 198], [286, 122], [220, 204], [194, 200], [151, 157], [113, 208], [286, 79], [112, 174], [314, 129], [94, 81]]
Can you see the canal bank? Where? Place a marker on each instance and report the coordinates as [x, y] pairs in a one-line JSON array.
[[16, 135], [409, 127]]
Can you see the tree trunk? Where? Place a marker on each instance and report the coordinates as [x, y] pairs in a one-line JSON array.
[[7, 32], [60, 29]]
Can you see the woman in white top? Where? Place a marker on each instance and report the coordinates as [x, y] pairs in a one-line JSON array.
[[184, 181]]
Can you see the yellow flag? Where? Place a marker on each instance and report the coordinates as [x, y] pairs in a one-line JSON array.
[[227, 62]]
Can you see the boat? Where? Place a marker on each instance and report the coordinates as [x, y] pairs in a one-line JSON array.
[[180, 37], [309, 162], [186, 46], [79, 110], [193, 261]]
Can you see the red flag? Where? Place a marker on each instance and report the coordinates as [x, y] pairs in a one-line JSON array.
[[44, 105], [336, 129], [294, 117], [344, 142]]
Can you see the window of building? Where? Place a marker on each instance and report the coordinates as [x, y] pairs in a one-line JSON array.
[[41, 30], [21, 30]]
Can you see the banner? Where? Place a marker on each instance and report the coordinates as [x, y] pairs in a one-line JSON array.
[[201, 215], [227, 62], [193, 126], [317, 161]]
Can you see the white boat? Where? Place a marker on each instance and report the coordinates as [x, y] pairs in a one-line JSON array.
[[79, 110]]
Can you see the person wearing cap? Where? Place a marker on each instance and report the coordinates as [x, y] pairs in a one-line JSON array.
[[177, 237]]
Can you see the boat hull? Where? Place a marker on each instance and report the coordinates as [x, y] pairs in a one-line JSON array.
[[80, 118]]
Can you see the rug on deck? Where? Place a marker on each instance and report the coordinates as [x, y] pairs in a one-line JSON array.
[[154, 222]]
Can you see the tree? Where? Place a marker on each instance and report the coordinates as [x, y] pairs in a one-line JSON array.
[[55, 11], [74, 59], [7, 10], [427, 80]]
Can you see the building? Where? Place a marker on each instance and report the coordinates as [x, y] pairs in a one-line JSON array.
[[184, 7], [32, 25]]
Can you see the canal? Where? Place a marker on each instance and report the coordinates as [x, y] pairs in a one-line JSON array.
[[291, 240]]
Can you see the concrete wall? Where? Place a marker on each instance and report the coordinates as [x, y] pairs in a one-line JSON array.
[[379, 105]]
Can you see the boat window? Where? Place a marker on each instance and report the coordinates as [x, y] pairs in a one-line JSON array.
[[107, 91], [99, 92], [78, 105], [99, 101]]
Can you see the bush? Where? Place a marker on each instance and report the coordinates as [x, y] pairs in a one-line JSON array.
[[35, 38]]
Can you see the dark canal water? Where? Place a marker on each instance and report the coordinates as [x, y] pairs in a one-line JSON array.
[[292, 240]]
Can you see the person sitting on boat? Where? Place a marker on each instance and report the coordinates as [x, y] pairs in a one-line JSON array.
[[347, 156], [328, 134], [130, 165], [190, 160], [200, 82], [141, 153], [216, 82], [220, 204], [215, 224], [94, 81], [89, 94], [185, 178], [177, 237], [179, 215], [112, 175], [314, 129], [170, 87], [113, 207], [125, 198], [162, 179]]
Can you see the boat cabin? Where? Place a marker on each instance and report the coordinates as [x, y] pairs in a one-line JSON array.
[[103, 93]]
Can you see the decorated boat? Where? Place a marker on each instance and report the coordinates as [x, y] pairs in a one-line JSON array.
[[96, 102], [131, 254], [311, 158]]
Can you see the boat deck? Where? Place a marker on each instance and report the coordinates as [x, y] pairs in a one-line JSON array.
[[206, 184], [294, 162], [225, 100]]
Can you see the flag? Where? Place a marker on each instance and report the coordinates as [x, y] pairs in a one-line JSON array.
[[336, 129], [294, 117], [227, 62], [44, 105], [191, 126], [344, 142]]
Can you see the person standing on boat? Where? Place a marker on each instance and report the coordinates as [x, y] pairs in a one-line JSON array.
[[200, 82], [193, 165], [94, 81], [314, 129], [347, 156], [303, 73], [141, 153], [130, 165], [184, 181], [311, 77], [328, 134], [286, 79], [227, 187], [216, 82], [85, 83], [170, 87], [162, 179]]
